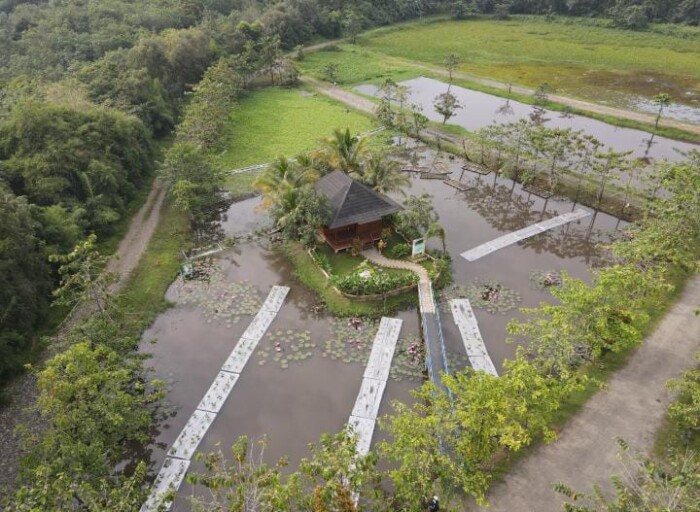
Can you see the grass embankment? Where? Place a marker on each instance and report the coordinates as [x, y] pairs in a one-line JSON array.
[[572, 55], [310, 275], [143, 295], [363, 64], [272, 122]]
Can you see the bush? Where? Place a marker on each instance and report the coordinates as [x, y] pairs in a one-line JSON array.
[[373, 282], [398, 251], [323, 261], [633, 17]]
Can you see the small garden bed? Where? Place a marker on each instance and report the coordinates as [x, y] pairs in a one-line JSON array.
[[308, 271], [355, 277]]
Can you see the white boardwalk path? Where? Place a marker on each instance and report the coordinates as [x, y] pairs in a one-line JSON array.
[[364, 415], [516, 236], [463, 315], [176, 464]]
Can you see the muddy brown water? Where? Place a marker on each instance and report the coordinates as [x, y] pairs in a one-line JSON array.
[[295, 405], [481, 109]]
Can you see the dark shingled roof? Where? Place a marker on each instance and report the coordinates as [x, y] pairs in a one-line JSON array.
[[352, 202]]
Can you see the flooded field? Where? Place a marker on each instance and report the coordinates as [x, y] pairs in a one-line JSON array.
[[305, 375], [481, 109]]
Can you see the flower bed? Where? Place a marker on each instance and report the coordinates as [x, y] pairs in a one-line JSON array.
[[359, 279], [367, 279]]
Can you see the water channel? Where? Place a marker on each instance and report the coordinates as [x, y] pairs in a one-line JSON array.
[[481, 109]]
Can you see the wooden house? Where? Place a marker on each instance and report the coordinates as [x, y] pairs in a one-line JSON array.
[[357, 211]]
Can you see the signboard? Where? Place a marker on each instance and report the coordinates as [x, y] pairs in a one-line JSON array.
[[418, 247]]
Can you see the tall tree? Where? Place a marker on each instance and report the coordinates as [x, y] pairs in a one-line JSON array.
[[451, 62], [25, 281], [382, 174], [447, 104], [661, 100], [190, 179]]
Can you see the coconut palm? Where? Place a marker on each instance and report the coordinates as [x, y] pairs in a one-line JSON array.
[[314, 161], [381, 174], [436, 230], [280, 177], [345, 151]]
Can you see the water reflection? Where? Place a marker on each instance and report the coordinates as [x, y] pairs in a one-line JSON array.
[[481, 109]]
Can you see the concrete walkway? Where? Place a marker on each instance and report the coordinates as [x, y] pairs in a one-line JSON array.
[[379, 259], [632, 407], [435, 354]]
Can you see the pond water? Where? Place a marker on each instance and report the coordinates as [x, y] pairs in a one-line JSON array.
[[294, 402], [674, 110], [244, 217], [481, 109]]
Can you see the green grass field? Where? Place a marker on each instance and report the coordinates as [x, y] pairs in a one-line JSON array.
[[357, 65], [271, 122], [575, 57]]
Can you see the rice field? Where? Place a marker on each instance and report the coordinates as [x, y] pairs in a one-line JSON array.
[[574, 56]]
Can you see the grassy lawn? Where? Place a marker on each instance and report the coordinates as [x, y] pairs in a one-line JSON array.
[[357, 65], [271, 122], [573, 56]]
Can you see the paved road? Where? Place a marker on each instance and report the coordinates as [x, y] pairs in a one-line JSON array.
[[631, 407]]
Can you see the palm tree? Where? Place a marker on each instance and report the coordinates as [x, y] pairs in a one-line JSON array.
[[345, 151], [314, 161], [437, 230], [282, 176], [381, 174]]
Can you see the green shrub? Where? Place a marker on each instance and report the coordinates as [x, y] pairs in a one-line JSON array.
[[323, 261], [398, 251], [367, 280]]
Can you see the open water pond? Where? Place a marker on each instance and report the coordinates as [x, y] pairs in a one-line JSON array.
[[493, 207], [305, 374], [481, 109]]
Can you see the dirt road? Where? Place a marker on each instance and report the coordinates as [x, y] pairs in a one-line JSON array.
[[22, 390], [631, 407], [363, 104]]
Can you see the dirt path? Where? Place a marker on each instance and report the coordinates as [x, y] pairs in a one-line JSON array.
[[365, 105], [631, 407], [22, 390], [141, 228]]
